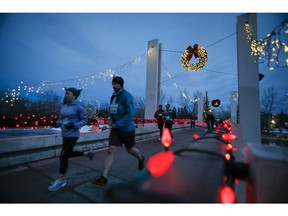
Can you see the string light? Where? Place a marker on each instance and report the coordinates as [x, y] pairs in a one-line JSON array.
[[269, 47], [13, 94]]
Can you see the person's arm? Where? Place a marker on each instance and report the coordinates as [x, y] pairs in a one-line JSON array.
[[83, 119]]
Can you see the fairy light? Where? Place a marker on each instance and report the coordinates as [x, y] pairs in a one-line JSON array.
[[269, 47], [10, 96], [248, 31]]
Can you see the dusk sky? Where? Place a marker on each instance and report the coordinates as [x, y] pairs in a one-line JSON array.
[[75, 49]]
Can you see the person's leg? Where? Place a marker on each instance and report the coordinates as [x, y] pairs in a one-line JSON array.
[[161, 130], [128, 138], [109, 159], [135, 152], [67, 148], [114, 143], [169, 126], [89, 154], [66, 152]]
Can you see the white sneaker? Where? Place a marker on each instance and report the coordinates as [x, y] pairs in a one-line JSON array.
[[57, 184]]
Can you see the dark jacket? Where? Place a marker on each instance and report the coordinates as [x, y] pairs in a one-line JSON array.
[[169, 116], [159, 116]]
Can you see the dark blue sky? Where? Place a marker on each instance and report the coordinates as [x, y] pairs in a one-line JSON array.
[[76, 49]]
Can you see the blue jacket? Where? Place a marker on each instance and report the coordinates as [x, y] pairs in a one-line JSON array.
[[123, 118], [72, 112]]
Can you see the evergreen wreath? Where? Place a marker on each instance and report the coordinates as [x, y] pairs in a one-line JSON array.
[[197, 51]]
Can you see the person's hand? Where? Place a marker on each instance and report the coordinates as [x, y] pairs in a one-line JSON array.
[[69, 125]]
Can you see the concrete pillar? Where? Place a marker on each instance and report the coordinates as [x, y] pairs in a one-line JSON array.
[[248, 82], [234, 105], [153, 78], [200, 108]]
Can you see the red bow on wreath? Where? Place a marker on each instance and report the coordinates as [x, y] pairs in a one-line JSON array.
[[191, 51]]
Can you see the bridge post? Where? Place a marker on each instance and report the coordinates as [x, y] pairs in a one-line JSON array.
[[248, 82], [153, 78]]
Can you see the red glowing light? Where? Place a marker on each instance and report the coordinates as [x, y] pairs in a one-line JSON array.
[[160, 163], [229, 136], [227, 156], [166, 138], [217, 131], [229, 146], [227, 195], [196, 136]]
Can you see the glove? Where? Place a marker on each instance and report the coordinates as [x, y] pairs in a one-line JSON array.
[[69, 125]]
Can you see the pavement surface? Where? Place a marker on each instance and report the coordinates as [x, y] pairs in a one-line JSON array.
[[28, 183]]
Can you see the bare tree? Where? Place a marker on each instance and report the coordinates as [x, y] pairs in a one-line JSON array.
[[184, 99], [271, 101], [139, 107], [170, 100], [47, 103], [162, 96]]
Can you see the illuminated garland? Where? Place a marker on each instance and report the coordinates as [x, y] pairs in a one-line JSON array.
[[271, 46], [11, 95], [197, 51]]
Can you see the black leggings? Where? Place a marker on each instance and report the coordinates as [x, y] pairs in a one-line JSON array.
[[67, 152]]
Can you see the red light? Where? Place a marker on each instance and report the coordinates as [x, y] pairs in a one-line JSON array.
[[217, 131], [229, 136], [227, 195], [196, 136], [160, 163], [227, 156], [229, 146], [166, 138]]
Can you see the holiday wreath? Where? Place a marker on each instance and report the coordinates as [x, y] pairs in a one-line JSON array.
[[197, 51]]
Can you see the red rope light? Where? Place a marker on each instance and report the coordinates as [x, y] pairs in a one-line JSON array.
[[160, 163], [227, 195], [166, 138]]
